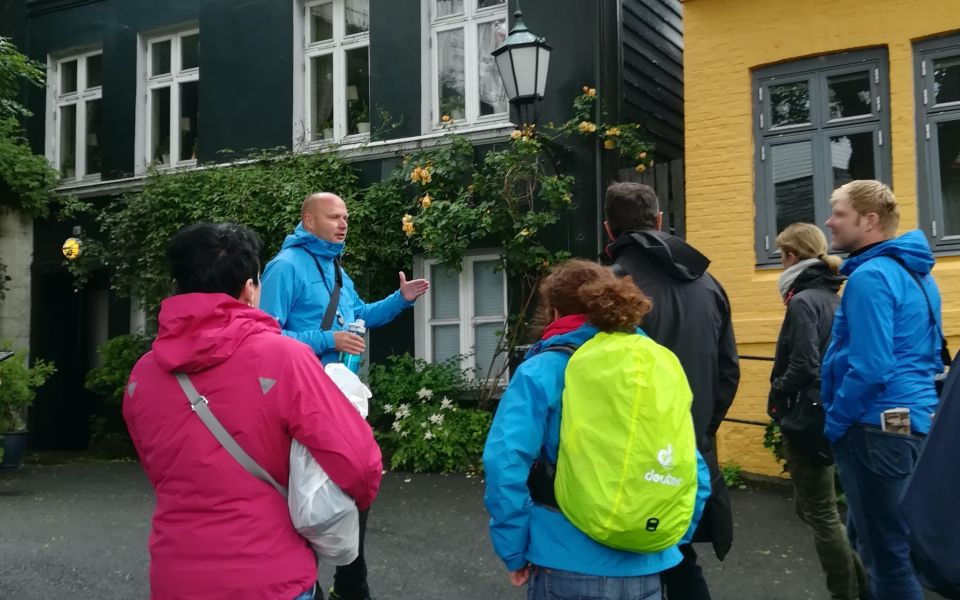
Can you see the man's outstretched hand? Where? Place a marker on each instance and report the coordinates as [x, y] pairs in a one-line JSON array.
[[411, 290]]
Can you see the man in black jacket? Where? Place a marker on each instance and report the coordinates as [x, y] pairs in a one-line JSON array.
[[691, 317]]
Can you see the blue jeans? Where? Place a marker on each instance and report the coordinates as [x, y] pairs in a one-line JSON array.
[[874, 467], [552, 584], [307, 595]]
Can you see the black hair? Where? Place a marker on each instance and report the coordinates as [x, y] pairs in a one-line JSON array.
[[214, 258], [631, 206]]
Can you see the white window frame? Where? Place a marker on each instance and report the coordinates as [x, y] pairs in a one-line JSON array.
[[79, 98], [147, 83], [337, 46], [469, 20], [466, 319]]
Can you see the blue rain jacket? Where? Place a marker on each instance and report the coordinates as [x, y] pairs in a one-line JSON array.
[[293, 291], [528, 420], [885, 350]]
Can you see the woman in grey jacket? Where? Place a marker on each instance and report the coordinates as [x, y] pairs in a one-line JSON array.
[[809, 287]]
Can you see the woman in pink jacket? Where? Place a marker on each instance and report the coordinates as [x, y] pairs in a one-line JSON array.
[[219, 532]]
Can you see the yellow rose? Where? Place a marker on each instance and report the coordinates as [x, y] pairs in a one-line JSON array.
[[409, 231], [586, 127], [426, 201], [525, 232], [425, 177], [609, 144], [591, 92], [407, 219], [515, 134], [613, 131], [445, 118], [641, 168], [416, 174], [586, 89]]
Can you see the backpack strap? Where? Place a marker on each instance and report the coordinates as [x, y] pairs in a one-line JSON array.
[[543, 473], [199, 405], [944, 350]]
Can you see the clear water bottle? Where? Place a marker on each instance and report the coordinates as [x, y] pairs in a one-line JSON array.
[[352, 361]]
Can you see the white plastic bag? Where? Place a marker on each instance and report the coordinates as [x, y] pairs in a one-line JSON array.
[[321, 512], [356, 392]]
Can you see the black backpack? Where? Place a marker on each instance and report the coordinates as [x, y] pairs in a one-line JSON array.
[[929, 502]]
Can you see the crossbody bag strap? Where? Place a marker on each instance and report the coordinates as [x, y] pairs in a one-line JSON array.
[[200, 406], [944, 351], [331, 312]]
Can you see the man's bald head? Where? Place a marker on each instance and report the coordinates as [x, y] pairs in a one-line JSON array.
[[324, 215]]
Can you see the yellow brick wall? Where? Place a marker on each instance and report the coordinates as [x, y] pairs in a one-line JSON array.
[[724, 40]]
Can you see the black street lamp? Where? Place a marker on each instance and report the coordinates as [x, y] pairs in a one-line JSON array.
[[523, 60]]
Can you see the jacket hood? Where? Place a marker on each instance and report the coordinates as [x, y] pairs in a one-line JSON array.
[[674, 256], [819, 275], [577, 338], [911, 248], [198, 331], [313, 244]]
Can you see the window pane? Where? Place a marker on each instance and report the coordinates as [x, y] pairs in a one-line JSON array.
[[489, 3], [849, 95], [189, 105], [852, 157], [161, 58], [358, 90], [449, 7], [358, 16], [321, 22], [160, 125], [486, 338], [493, 98], [321, 97], [93, 70], [946, 80], [446, 342], [451, 73], [948, 138], [793, 183], [487, 289], [790, 104], [68, 141], [444, 292], [93, 137], [190, 51], [68, 77]]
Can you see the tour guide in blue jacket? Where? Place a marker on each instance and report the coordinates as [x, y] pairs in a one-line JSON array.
[[298, 282], [885, 351], [527, 420], [296, 288]]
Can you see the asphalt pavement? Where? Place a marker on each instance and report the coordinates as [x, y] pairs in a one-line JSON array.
[[79, 530]]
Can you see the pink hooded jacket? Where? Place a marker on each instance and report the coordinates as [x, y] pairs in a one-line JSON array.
[[219, 532]]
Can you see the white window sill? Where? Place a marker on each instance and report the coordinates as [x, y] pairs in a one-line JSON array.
[[352, 149]]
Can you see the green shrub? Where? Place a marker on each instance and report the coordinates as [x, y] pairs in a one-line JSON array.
[[425, 415], [18, 387], [108, 431]]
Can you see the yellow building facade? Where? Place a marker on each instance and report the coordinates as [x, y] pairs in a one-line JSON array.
[[728, 44]]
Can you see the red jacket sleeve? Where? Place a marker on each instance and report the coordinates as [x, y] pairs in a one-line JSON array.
[[321, 418]]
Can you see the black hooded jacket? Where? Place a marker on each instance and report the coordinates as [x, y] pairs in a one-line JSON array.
[[811, 303]]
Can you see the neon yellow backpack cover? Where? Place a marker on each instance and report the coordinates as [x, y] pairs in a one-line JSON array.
[[627, 465]]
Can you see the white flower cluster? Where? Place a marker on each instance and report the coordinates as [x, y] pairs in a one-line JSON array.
[[434, 423]]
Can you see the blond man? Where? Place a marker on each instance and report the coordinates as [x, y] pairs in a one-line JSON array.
[[884, 354]]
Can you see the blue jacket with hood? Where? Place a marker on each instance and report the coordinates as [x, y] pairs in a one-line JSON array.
[[885, 350], [528, 421], [293, 291]]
